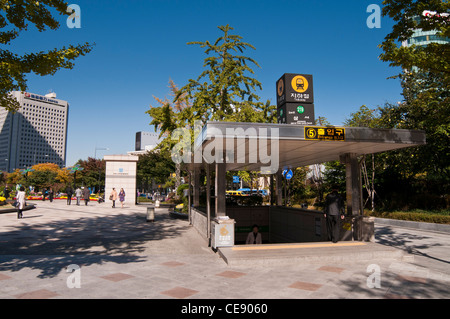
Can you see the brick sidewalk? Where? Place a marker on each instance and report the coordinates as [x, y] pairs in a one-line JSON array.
[[122, 256]]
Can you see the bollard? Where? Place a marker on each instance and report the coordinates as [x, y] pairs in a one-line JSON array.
[[150, 214]]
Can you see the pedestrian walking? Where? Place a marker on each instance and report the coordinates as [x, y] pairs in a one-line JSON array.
[[78, 194], [86, 194], [6, 192], [44, 194], [122, 196], [334, 212], [20, 202], [50, 195], [113, 197], [69, 192]]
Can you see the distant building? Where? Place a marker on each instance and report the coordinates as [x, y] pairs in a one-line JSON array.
[[145, 141], [423, 38], [36, 133]]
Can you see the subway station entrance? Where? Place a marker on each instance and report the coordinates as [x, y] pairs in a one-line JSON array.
[[269, 149]]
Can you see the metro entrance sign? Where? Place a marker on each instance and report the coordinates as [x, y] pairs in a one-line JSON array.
[[295, 88], [295, 113], [295, 98]]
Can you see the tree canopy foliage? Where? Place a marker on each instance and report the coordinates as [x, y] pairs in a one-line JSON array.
[[15, 17]]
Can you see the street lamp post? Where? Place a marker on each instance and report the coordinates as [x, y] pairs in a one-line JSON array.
[[99, 149], [73, 170], [99, 170], [25, 172]]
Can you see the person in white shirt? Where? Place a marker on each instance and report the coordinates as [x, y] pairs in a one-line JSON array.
[[78, 194], [20, 198]]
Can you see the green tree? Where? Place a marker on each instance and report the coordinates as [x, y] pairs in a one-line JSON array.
[[169, 115], [226, 80], [408, 16], [93, 173], [364, 117], [225, 90], [425, 82], [14, 19], [43, 175], [154, 166]]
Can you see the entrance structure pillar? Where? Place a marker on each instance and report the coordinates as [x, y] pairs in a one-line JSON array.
[[121, 173], [352, 183], [220, 189], [208, 202], [279, 188], [196, 187]]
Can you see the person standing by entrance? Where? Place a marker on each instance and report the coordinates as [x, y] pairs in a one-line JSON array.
[[254, 237], [334, 212], [122, 196], [113, 197]]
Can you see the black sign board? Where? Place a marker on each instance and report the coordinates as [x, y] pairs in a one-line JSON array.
[[294, 88], [296, 113], [324, 133]]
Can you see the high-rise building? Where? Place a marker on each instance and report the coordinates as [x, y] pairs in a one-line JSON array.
[[146, 141], [423, 38], [36, 133]]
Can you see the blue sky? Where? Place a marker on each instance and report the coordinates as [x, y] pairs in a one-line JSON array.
[[141, 44]]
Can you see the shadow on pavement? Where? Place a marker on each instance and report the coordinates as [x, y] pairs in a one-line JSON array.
[[413, 244], [94, 239], [396, 286]]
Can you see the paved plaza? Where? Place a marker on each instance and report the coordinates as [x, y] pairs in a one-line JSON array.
[[120, 255]]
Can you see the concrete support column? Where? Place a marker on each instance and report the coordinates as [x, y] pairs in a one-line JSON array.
[[271, 190], [279, 188], [352, 178], [208, 201], [220, 189], [189, 198], [196, 187]]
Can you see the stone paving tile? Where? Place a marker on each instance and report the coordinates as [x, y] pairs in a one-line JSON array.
[[305, 286], [231, 274], [179, 292], [117, 277], [172, 264], [37, 294], [4, 277], [395, 296], [412, 279], [331, 269]]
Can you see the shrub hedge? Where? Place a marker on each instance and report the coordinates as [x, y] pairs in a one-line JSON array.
[[427, 217]]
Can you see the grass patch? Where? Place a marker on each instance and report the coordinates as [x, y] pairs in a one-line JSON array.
[[418, 215]]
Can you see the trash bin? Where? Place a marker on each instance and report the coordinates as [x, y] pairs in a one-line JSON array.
[[157, 203], [222, 232], [150, 214]]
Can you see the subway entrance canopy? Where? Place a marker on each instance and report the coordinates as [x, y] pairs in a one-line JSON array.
[[272, 148], [296, 145]]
